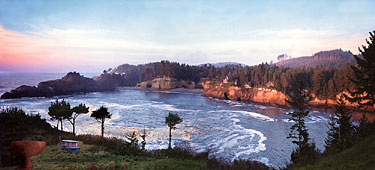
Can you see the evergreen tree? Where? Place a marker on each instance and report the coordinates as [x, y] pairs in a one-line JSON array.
[[60, 111], [171, 121], [364, 81], [143, 136], [364, 127], [341, 130], [132, 137], [297, 101], [298, 132], [364, 76], [77, 110], [100, 115]]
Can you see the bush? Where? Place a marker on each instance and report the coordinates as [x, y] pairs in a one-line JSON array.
[[15, 124], [302, 157], [241, 164]]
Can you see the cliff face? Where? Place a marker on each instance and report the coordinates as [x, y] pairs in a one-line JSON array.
[[317, 101], [166, 83], [260, 95]]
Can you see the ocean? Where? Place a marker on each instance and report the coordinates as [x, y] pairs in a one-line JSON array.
[[229, 130]]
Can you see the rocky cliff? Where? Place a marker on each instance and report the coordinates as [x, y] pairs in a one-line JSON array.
[[166, 83], [260, 95], [70, 84]]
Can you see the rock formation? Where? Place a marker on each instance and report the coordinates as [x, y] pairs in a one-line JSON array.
[[166, 83], [70, 84], [229, 92]]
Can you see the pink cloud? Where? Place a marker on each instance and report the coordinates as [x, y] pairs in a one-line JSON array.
[[23, 52]]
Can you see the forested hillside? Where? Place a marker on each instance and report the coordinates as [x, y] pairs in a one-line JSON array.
[[332, 58], [323, 81]]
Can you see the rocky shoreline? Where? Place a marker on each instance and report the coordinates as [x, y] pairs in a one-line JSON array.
[[74, 83], [71, 83], [261, 95]]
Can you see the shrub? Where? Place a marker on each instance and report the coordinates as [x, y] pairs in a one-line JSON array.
[[15, 124], [240, 164]]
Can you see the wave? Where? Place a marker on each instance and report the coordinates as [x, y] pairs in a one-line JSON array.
[[170, 107], [312, 119], [257, 116], [253, 133]]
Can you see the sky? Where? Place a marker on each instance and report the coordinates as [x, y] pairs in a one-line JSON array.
[[93, 35]]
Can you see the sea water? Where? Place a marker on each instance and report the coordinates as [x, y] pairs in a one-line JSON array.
[[228, 130]]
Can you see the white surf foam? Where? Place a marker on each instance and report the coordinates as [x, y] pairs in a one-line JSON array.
[[257, 116]]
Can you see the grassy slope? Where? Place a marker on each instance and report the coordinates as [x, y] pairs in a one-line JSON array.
[[53, 157], [361, 156]]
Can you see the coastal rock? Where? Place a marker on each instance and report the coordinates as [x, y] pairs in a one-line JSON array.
[[145, 84], [23, 91], [70, 84], [259, 95], [166, 83]]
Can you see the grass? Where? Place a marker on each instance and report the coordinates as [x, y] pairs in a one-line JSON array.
[[53, 157], [361, 156]]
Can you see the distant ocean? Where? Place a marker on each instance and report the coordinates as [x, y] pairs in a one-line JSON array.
[[12, 80]]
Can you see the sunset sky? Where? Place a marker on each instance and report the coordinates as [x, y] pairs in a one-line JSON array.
[[90, 36]]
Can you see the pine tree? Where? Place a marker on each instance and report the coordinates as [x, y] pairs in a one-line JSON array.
[[305, 150], [364, 128], [100, 115], [341, 130], [364, 81], [143, 136], [364, 76], [77, 110], [132, 137], [171, 121], [298, 132], [60, 111]]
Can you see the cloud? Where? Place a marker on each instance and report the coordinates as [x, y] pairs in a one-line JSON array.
[[88, 50]]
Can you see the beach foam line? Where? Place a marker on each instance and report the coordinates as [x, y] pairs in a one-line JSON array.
[[250, 147], [257, 116]]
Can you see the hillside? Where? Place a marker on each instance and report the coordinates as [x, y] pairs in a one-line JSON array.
[[360, 156], [332, 58], [223, 64], [55, 158]]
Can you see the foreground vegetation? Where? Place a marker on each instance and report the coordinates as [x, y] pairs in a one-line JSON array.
[[360, 156], [54, 158]]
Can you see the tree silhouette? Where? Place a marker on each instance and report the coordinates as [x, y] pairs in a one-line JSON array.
[[60, 111], [364, 76], [341, 130], [364, 81], [171, 121], [298, 132], [77, 110], [100, 115], [297, 101], [143, 136], [132, 137]]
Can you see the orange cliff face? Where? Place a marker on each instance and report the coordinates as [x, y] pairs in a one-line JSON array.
[[259, 95], [316, 101]]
